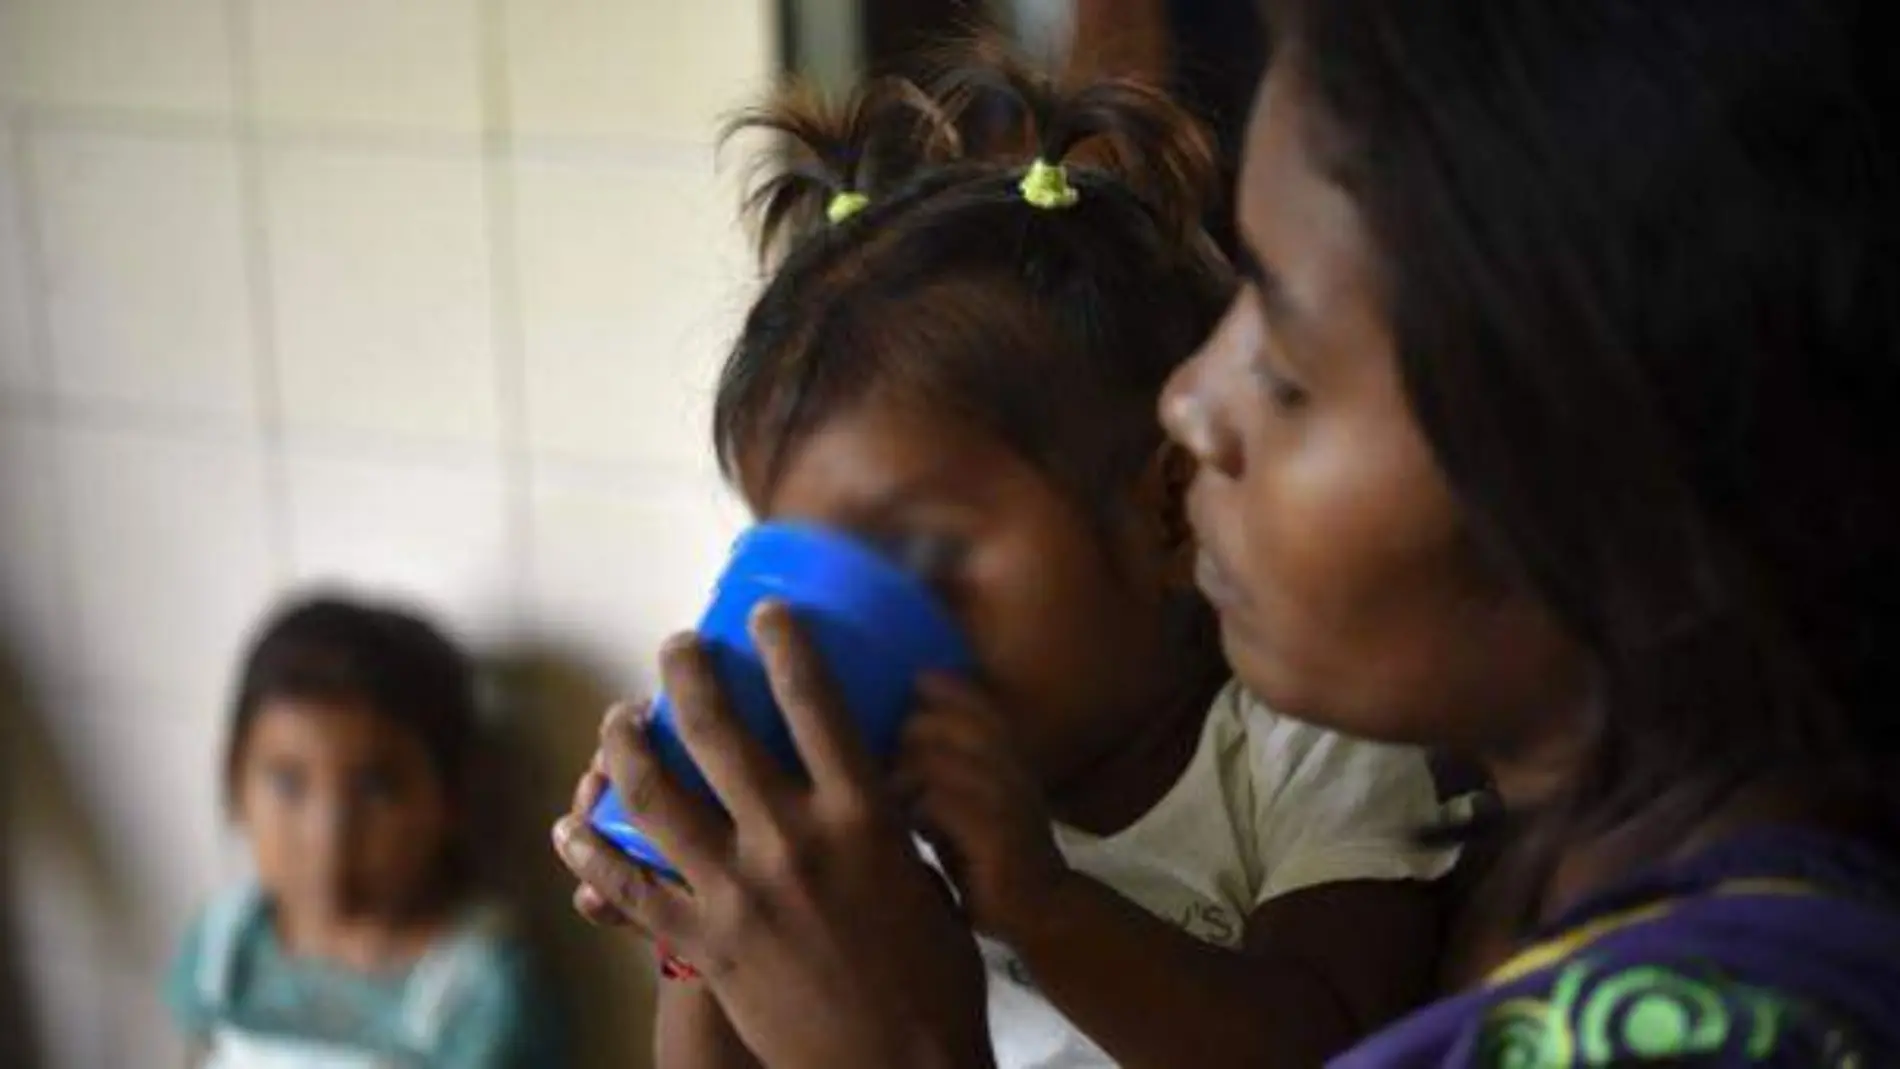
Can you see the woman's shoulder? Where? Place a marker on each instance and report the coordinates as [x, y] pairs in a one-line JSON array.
[[1777, 947], [1789, 935], [1665, 1012], [1676, 1007]]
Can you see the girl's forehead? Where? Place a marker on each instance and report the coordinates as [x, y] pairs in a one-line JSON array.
[[877, 458]]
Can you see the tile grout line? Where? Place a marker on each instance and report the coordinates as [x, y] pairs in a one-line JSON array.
[[507, 316], [225, 431], [632, 149], [261, 307]]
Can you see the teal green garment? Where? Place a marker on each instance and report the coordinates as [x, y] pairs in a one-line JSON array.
[[232, 973]]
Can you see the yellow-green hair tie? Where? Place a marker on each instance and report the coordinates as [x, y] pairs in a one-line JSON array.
[[1046, 185], [844, 204]]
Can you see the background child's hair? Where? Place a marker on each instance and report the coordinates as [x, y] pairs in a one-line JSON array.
[[387, 660], [1053, 328]]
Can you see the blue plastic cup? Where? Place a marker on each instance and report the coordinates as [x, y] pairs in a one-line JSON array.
[[876, 626]]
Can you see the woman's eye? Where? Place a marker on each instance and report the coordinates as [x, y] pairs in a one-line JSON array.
[[1287, 396], [1255, 340], [1283, 393]]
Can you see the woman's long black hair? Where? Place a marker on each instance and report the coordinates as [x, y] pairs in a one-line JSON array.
[[1640, 257]]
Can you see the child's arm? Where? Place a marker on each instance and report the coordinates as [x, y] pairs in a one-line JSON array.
[[1319, 967], [691, 1031]]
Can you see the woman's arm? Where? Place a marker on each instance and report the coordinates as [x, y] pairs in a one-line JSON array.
[[1320, 969], [690, 1030]]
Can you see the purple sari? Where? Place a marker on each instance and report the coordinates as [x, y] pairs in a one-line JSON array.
[[1776, 948]]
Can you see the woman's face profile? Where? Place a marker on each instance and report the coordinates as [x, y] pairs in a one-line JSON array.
[[1331, 543]]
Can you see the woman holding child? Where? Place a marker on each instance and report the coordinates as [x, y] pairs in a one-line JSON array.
[[1553, 425]]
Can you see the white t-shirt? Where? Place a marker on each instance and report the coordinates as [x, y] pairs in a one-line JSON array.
[[1267, 806]]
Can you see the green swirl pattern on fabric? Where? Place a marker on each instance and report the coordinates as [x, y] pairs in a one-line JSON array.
[[1841, 1053], [1515, 1034], [1651, 1012], [1646, 1012]]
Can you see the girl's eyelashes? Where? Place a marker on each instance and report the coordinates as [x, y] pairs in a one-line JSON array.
[[932, 557]]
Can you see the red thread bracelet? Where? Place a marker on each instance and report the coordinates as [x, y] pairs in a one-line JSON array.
[[674, 967]]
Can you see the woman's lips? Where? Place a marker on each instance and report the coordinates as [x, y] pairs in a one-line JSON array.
[[1212, 578]]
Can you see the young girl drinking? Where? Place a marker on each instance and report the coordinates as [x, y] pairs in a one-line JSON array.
[[360, 942], [968, 352]]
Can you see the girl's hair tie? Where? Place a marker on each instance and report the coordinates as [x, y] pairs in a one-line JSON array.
[[844, 204], [1046, 185]]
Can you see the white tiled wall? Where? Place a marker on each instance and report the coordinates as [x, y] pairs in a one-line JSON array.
[[16, 354], [140, 250], [413, 65], [437, 533], [377, 336], [168, 545], [156, 56], [625, 272], [620, 67], [424, 296]]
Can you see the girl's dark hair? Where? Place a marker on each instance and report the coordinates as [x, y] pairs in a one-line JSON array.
[[1640, 257], [1053, 328], [385, 659]]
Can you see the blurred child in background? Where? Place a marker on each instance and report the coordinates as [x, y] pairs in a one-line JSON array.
[[362, 939]]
